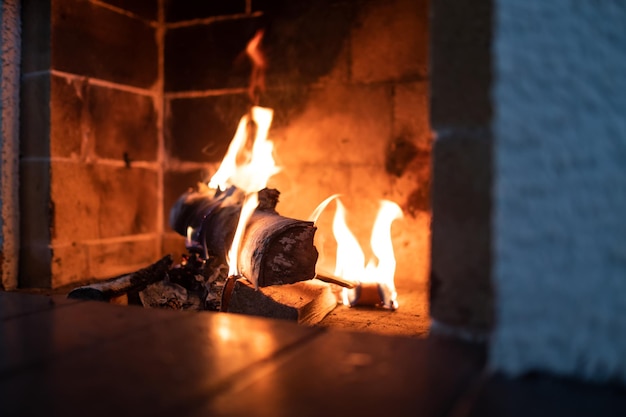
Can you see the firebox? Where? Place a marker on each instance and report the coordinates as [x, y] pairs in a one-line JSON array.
[[127, 104]]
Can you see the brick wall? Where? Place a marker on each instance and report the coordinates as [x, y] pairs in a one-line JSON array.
[[127, 104], [90, 167]]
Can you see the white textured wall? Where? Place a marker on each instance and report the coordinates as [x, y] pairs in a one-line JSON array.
[[560, 191]]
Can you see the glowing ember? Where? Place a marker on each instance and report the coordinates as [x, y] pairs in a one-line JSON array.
[[350, 260]]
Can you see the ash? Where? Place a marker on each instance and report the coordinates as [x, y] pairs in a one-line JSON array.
[[194, 284]]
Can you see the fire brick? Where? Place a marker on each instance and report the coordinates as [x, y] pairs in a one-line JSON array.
[[123, 124], [109, 201], [67, 108], [390, 43], [340, 125], [144, 8], [176, 10], [208, 56], [305, 40], [69, 264], [83, 42], [200, 129], [410, 114], [107, 259]]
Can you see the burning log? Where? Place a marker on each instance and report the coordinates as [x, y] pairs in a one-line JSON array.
[[274, 249], [115, 287]]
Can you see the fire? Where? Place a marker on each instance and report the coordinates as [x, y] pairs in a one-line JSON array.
[[350, 260], [248, 163], [247, 209]]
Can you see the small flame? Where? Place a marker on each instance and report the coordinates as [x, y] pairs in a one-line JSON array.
[[259, 64], [350, 259], [250, 203], [190, 232], [249, 168], [321, 207]]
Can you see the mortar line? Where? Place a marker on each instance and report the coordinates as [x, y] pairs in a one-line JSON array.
[[97, 82], [204, 93], [97, 162], [177, 165], [143, 237], [123, 12]]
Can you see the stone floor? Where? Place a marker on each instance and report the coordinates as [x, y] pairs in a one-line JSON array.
[[61, 357]]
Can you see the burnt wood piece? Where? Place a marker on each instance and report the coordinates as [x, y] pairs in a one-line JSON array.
[[115, 287], [305, 302], [274, 249]]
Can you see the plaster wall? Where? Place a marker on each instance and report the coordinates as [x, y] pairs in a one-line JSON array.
[[560, 188]]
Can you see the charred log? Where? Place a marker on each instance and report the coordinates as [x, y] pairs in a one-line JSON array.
[[274, 249], [135, 281]]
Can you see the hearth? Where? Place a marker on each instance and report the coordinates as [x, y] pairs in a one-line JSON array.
[[126, 105]]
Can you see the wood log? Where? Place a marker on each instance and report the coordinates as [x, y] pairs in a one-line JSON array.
[[122, 285], [305, 302], [274, 249]]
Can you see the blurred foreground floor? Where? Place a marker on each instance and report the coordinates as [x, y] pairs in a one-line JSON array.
[[70, 358]]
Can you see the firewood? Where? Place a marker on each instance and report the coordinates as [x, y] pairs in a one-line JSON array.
[[118, 286], [305, 302], [274, 249]]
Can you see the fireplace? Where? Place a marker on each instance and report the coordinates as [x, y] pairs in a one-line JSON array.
[[127, 104]]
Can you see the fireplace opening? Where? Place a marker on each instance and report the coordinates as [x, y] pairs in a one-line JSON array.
[[126, 105]]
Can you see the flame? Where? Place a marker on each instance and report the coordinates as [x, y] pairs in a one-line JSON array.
[[259, 64], [248, 163], [249, 168], [250, 203], [350, 260]]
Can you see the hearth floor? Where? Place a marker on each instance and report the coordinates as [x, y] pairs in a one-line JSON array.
[[69, 358]]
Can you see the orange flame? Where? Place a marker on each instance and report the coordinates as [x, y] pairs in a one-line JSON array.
[[248, 169], [350, 259], [259, 64], [250, 203], [248, 163]]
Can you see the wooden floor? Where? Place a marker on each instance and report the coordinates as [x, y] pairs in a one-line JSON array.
[[69, 358]]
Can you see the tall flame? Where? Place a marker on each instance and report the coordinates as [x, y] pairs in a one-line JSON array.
[[249, 168], [350, 259], [248, 163]]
